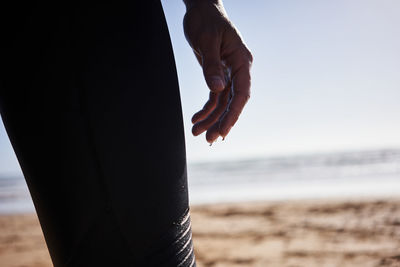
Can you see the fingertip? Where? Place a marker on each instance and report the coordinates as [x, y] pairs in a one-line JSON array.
[[224, 129], [224, 133], [197, 130], [212, 139], [212, 134], [195, 118]]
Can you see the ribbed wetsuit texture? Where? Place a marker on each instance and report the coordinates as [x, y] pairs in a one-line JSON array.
[[90, 99]]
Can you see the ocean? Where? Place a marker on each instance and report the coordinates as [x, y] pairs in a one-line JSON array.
[[352, 174]]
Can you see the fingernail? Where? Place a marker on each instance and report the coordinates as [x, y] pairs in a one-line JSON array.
[[212, 142], [227, 131], [217, 83]]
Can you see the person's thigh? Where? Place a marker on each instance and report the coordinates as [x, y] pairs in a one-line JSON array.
[[91, 104]]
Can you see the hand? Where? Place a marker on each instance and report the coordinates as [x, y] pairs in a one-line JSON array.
[[226, 63]]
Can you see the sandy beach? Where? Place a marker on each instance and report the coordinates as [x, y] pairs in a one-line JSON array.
[[291, 234]]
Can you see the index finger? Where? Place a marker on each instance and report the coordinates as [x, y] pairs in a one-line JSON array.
[[241, 82]]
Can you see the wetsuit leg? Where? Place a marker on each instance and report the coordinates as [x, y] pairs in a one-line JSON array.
[[90, 100]]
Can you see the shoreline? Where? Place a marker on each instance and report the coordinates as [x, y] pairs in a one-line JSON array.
[[308, 232]]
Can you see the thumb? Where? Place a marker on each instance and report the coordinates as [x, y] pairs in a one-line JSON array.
[[212, 68]]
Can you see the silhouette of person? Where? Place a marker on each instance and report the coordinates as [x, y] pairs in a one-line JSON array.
[[90, 100]]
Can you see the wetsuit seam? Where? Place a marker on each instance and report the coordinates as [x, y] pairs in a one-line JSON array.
[[99, 173], [101, 177]]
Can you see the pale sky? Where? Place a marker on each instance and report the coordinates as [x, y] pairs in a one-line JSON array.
[[326, 77]]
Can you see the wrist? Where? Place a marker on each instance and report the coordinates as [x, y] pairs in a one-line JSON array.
[[191, 3]]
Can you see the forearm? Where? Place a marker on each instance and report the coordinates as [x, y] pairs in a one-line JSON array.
[[191, 3]]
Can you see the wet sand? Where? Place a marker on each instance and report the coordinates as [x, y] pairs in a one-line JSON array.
[[292, 234]]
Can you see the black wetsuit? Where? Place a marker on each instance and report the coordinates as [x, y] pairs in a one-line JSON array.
[[90, 100]]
